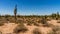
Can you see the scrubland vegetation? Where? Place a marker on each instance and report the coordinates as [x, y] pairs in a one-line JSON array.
[[32, 20]]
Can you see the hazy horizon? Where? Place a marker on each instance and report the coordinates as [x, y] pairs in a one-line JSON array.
[[30, 7]]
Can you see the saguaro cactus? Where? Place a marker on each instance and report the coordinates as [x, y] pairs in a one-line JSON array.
[[15, 12]]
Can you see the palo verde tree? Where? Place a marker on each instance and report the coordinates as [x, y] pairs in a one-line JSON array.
[[15, 12]]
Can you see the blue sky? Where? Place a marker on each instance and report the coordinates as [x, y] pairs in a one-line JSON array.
[[30, 7]]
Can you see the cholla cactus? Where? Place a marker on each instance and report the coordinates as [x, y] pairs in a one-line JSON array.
[[15, 12]]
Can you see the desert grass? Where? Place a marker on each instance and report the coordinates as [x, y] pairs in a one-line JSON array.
[[36, 31], [55, 30], [20, 28]]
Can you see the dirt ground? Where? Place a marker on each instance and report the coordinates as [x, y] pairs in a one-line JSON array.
[[7, 28]]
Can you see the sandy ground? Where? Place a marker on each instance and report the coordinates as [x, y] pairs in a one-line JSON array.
[[8, 28]]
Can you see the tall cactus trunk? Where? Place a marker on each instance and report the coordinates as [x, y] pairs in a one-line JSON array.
[[15, 17], [15, 12]]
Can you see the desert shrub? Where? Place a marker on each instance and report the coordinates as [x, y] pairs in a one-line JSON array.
[[36, 31], [44, 22], [36, 24], [20, 28], [48, 19], [20, 21], [30, 23], [58, 21], [56, 18], [45, 16], [0, 32], [8, 33], [55, 30], [1, 24], [7, 17], [39, 21]]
